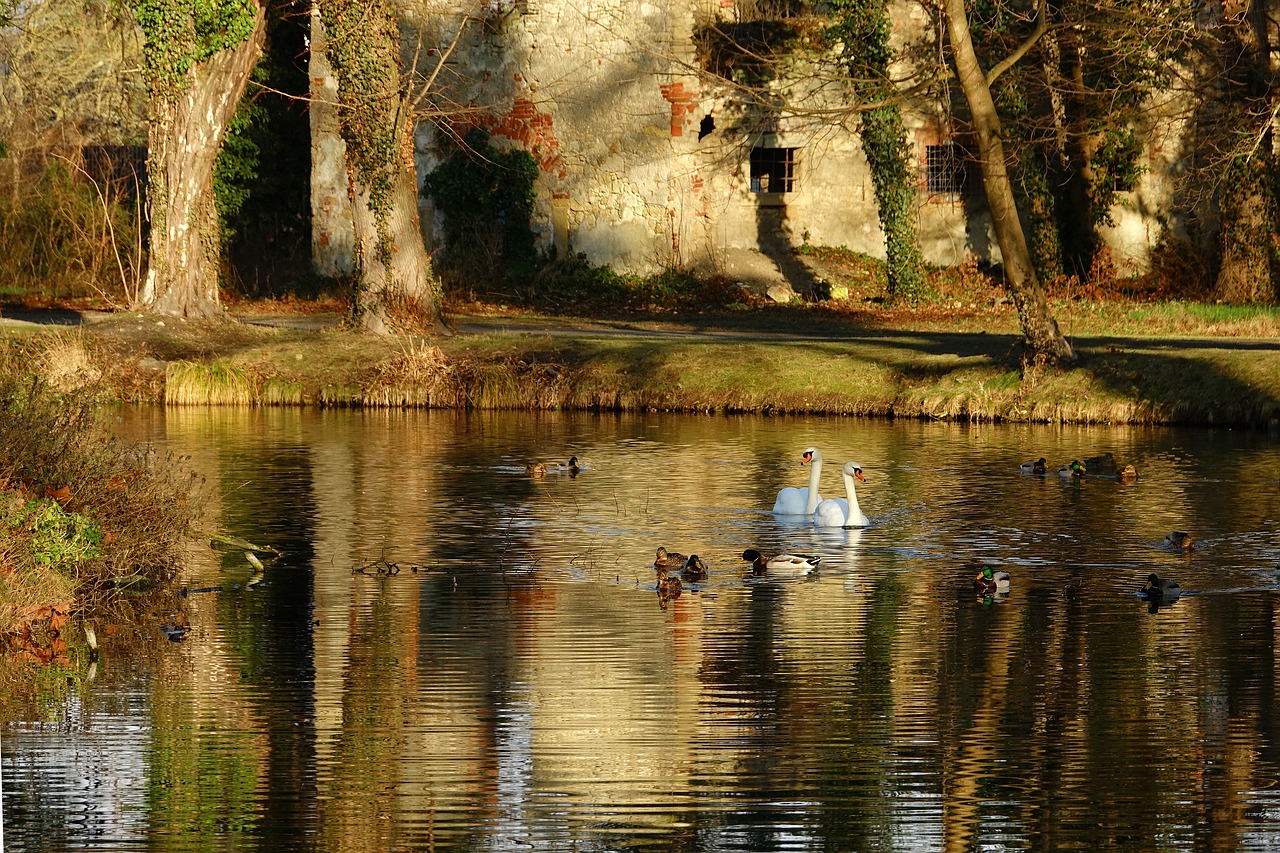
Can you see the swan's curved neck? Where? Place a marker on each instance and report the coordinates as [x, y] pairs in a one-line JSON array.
[[851, 491], [815, 473]]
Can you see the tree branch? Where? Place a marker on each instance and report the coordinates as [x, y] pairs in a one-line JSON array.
[[1012, 59]]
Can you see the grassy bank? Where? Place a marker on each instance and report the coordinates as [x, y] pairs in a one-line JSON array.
[[958, 364]]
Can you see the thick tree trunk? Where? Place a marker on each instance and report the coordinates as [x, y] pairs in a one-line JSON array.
[[332, 240], [1246, 272], [398, 287], [884, 141], [1044, 340], [183, 140]]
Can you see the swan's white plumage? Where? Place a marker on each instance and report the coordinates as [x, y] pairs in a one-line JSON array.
[[843, 512], [802, 501]]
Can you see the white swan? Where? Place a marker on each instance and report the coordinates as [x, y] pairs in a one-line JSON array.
[[842, 512], [793, 501]]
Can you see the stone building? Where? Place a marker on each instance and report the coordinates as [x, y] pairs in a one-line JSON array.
[[649, 158]]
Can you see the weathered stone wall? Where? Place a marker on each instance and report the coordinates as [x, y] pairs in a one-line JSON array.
[[644, 163]]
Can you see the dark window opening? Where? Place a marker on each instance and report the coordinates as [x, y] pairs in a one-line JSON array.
[[946, 169], [773, 170], [707, 126]]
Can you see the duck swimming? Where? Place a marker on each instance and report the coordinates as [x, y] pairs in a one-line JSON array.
[[669, 559], [781, 563], [1036, 468], [1073, 471], [989, 581], [536, 469], [694, 568], [1179, 540], [1104, 464], [1161, 588]]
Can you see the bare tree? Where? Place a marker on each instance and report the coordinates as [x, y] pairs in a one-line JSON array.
[[1045, 342]]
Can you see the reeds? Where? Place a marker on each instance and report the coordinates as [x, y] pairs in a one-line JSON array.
[[218, 384]]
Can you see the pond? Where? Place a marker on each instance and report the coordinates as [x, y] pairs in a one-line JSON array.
[[518, 684]]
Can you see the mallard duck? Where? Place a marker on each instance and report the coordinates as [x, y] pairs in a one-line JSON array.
[[1160, 588], [694, 568], [1104, 464], [1127, 472], [989, 581], [572, 468], [536, 469], [782, 563], [669, 559], [1073, 471], [1179, 540], [1037, 467]]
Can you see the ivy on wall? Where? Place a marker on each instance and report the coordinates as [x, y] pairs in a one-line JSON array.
[[861, 28], [486, 196]]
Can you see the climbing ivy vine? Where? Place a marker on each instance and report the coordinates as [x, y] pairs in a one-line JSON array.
[[362, 45], [180, 33], [861, 29]]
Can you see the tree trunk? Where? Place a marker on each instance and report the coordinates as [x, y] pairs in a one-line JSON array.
[[1245, 273], [397, 289], [885, 144], [332, 240], [1045, 342], [183, 138]]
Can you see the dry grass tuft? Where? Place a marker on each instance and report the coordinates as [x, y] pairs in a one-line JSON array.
[[420, 375], [65, 364]]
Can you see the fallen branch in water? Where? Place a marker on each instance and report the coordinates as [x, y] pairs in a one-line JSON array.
[[235, 542]]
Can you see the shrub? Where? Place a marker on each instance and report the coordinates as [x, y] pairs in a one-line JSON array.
[[76, 505]]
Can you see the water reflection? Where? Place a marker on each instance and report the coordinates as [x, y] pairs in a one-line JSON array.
[[517, 685]]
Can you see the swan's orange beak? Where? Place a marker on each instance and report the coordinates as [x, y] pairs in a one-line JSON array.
[[808, 457], [857, 472]]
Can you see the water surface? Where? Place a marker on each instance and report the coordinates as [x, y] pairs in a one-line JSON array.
[[518, 684]]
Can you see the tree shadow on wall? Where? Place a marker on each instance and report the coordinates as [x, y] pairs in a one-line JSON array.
[[777, 244]]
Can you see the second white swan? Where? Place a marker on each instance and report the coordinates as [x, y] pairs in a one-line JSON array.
[[843, 512], [793, 501]]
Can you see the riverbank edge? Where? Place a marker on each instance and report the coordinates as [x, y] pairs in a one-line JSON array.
[[688, 367]]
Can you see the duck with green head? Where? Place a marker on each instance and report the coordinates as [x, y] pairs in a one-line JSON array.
[[1160, 588], [694, 568], [988, 581], [1036, 468]]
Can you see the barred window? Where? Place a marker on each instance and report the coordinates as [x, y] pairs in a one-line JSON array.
[[773, 170], [946, 169]]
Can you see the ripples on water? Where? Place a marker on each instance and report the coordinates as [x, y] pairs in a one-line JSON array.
[[518, 685]]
